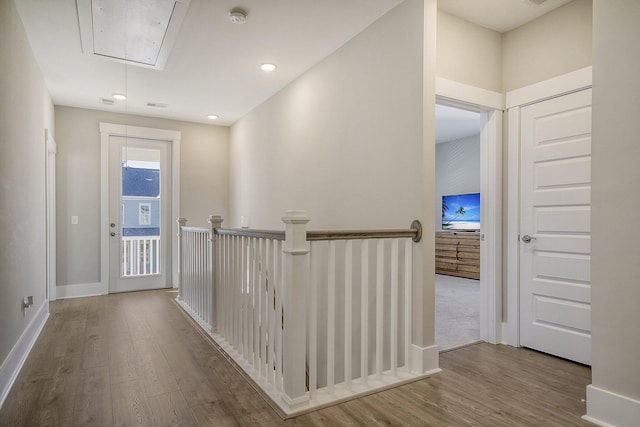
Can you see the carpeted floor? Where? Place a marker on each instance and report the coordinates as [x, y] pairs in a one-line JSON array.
[[457, 311]]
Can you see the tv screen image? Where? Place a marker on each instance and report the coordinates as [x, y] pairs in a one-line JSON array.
[[461, 212]]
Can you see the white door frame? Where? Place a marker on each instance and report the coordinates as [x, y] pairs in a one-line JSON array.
[[108, 130], [515, 100], [490, 105], [51, 150]]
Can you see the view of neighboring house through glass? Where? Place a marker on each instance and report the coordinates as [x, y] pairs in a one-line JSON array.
[[140, 213]]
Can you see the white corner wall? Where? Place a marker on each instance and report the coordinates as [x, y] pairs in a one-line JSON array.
[[25, 112], [343, 141], [204, 182], [614, 396], [457, 170]]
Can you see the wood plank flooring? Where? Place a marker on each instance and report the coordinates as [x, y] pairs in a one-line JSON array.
[[135, 360]]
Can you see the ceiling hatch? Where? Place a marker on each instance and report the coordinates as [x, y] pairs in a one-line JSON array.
[[138, 32]]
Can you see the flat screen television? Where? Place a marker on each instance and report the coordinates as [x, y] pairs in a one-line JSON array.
[[461, 212]]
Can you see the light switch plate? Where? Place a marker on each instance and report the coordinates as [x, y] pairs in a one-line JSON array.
[[74, 219]]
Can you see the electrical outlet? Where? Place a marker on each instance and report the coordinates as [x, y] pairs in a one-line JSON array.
[[27, 302]]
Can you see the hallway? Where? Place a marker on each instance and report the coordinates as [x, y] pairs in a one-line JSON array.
[[134, 359]]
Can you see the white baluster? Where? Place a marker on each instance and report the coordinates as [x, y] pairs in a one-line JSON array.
[[245, 297], [379, 306], [348, 295], [408, 254], [256, 307], [393, 312], [364, 304], [331, 317], [313, 320], [263, 308], [271, 310], [182, 222], [279, 290]]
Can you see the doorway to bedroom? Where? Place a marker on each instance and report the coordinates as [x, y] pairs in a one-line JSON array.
[[457, 282]]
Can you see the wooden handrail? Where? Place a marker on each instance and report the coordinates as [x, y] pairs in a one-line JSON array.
[[415, 233]]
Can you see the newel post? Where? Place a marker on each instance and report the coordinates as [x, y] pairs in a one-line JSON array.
[[182, 222], [296, 277], [214, 222]]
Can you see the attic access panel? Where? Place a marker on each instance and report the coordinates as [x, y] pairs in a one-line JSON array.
[[138, 32]]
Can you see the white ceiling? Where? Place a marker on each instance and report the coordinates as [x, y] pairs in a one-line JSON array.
[[453, 123], [214, 65], [500, 15]]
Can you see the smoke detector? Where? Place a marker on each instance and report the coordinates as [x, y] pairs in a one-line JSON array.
[[238, 15]]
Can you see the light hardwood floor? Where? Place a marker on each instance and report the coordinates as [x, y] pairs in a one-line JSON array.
[[134, 359]]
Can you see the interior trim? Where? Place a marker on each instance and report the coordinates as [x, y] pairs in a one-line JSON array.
[[107, 130], [13, 363]]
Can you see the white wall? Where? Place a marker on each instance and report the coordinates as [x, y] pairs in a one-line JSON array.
[[615, 289], [552, 45], [25, 111], [204, 182], [468, 53], [457, 170], [343, 141]]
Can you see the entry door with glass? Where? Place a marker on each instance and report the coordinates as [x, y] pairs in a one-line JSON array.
[[139, 206]]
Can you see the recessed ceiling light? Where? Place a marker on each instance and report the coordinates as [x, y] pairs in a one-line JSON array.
[[212, 117], [120, 96], [268, 67]]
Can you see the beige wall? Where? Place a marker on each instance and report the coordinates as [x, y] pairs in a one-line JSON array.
[[351, 142], [25, 112], [615, 197], [554, 44], [468, 53], [204, 184], [343, 141]]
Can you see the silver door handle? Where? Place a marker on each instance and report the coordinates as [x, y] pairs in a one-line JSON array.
[[113, 233], [526, 238]]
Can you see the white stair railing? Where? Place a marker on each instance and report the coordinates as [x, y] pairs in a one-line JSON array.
[[312, 316], [196, 271]]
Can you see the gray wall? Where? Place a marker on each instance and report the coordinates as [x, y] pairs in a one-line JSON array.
[[457, 170], [25, 111], [615, 197], [204, 182]]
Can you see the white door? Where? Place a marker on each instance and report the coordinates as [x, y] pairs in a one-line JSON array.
[[555, 290], [139, 214]]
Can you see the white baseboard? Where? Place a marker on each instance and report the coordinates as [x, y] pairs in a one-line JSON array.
[[80, 290], [608, 409], [13, 363]]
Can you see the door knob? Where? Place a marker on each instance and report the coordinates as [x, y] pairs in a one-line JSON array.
[[526, 238], [113, 233]]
